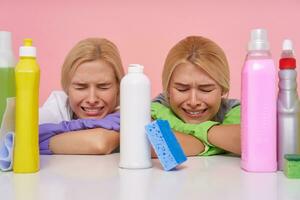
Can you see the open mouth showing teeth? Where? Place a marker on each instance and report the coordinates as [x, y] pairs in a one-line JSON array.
[[198, 113], [92, 111]]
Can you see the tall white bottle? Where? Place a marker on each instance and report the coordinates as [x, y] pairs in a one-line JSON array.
[[135, 108], [7, 70]]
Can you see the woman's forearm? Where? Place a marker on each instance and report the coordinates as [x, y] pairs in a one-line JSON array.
[[227, 137], [190, 144], [91, 141]]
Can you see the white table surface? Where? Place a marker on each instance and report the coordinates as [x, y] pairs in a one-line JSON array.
[[99, 177]]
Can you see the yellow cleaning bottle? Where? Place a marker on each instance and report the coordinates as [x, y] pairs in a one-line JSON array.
[[27, 74]]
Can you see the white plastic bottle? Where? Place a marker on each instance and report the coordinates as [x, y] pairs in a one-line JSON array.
[[288, 106], [135, 114], [7, 70]]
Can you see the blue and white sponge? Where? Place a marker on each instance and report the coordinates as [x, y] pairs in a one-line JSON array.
[[165, 144]]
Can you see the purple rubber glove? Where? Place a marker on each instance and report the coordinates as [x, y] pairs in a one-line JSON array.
[[48, 130]]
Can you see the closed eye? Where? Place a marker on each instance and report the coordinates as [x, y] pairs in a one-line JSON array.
[[206, 88], [182, 89], [80, 86], [104, 86]]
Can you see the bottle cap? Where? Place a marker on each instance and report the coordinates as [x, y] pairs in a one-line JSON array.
[[27, 50], [258, 40], [287, 45], [5, 41], [135, 68], [7, 58], [287, 49], [287, 63]]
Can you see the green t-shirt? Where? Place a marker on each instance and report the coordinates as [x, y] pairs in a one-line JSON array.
[[229, 113]]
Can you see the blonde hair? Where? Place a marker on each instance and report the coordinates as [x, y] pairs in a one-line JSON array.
[[202, 53], [87, 50]]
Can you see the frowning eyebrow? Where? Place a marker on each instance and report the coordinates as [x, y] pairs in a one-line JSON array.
[[200, 85], [84, 84], [79, 84]]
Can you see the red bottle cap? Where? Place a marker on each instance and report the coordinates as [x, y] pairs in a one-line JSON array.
[[287, 63]]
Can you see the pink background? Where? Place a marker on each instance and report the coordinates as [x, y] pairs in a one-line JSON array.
[[144, 31]]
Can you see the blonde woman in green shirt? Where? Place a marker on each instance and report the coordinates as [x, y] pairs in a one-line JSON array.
[[195, 83]]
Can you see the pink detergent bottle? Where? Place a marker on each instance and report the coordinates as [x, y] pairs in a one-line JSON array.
[[258, 103]]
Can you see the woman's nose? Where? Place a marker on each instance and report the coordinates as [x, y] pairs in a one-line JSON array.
[[92, 96], [193, 99]]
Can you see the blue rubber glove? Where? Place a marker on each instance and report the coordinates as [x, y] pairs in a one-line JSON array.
[[48, 130]]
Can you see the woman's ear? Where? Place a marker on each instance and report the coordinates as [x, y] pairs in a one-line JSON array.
[[225, 94], [166, 95]]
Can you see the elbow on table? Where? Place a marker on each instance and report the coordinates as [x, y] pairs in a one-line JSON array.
[[100, 148], [103, 147]]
